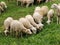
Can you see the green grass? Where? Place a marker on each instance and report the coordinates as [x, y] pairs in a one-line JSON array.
[[50, 34]]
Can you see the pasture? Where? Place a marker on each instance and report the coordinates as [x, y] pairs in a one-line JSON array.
[[50, 34]]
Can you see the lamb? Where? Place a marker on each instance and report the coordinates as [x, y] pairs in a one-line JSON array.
[[18, 27], [31, 20], [57, 11], [28, 2], [7, 23], [50, 15], [3, 5], [38, 18], [27, 24]]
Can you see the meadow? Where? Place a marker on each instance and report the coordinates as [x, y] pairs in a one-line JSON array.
[[50, 34]]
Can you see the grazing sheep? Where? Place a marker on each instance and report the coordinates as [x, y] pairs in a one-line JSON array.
[[7, 23], [31, 20], [27, 24], [18, 27], [28, 2], [57, 8], [38, 18], [3, 5], [37, 9], [50, 15]]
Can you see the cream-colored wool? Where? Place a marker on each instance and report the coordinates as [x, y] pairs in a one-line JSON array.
[[57, 10], [3, 5], [38, 18], [31, 20], [27, 24], [50, 15], [18, 28], [28, 2], [7, 23]]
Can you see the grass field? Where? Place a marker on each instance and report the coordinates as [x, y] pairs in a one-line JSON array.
[[50, 34]]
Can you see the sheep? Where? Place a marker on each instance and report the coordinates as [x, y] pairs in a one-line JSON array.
[[50, 15], [18, 27], [7, 23], [3, 5], [37, 9], [28, 2], [31, 20], [55, 6], [1, 9], [27, 24], [38, 18], [44, 10]]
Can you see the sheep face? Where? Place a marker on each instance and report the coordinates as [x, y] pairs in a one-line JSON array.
[[48, 22], [5, 6], [28, 31], [54, 6], [34, 30], [41, 25], [6, 32], [37, 27]]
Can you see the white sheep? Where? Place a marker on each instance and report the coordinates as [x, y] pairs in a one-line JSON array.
[[57, 9], [50, 15], [44, 10], [7, 23], [18, 27], [28, 2], [37, 9], [31, 20], [3, 5], [38, 18], [27, 24]]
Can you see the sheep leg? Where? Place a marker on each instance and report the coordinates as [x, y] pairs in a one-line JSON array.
[[57, 20], [0, 11], [27, 5], [21, 4], [21, 34], [16, 33], [52, 19], [17, 3], [32, 4], [39, 1]]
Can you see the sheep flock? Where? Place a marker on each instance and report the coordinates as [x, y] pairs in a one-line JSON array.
[[30, 24]]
